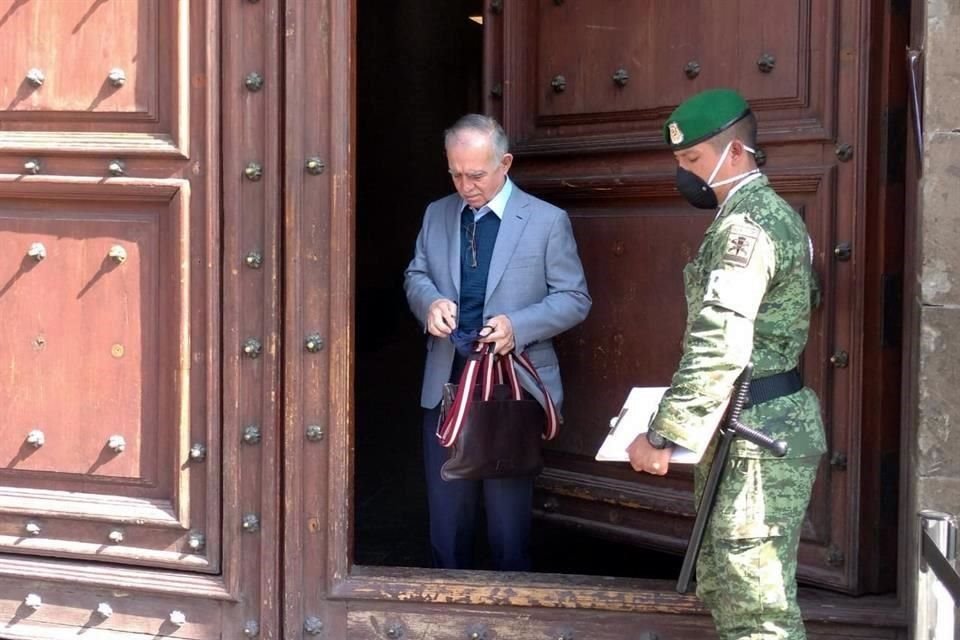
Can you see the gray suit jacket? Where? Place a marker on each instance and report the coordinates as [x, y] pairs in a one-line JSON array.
[[535, 278]]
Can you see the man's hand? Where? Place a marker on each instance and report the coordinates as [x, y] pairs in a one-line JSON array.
[[442, 317], [646, 459], [501, 335]]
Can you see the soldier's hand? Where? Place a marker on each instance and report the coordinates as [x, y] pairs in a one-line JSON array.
[[500, 334], [442, 317], [646, 459]]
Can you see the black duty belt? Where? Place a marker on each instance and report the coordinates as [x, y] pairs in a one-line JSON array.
[[775, 386]]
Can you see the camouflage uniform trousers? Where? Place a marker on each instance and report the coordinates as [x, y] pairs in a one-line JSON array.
[[746, 572]]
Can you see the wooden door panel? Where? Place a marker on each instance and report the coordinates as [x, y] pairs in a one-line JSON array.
[[563, 96], [654, 42], [73, 613], [639, 306], [114, 77], [75, 67], [97, 409], [68, 349], [594, 148]]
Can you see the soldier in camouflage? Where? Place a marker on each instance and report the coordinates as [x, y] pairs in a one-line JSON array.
[[749, 293]]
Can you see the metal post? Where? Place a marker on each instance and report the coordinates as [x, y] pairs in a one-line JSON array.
[[936, 610]]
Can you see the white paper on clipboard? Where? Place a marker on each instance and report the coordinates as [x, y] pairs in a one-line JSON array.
[[634, 418]]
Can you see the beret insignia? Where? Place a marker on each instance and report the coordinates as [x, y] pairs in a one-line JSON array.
[[676, 136]]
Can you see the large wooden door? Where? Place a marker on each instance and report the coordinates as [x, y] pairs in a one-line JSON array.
[[583, 89], [137, 394], [604, 161], [151, 153], [105, 300]]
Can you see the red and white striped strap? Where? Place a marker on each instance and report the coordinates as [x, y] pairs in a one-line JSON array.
[[453, 420], [507, 364], [553, 420], [486, 378]]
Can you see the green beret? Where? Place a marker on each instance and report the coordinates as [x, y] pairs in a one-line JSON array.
[[703, 116]]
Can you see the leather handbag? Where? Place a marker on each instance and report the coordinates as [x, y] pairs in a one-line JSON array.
[[492, 427]]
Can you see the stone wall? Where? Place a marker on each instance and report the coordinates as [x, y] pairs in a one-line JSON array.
[[937, 455], [933, 471]]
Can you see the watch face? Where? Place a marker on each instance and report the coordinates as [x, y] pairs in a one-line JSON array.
[[656, 440]]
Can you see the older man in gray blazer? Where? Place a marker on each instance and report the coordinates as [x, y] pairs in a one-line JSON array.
[[490, 255]]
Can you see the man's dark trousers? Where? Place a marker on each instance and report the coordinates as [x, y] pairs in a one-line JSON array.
[[455, 505]]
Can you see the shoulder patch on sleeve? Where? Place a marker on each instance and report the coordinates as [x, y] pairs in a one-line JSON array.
[[741, 241]]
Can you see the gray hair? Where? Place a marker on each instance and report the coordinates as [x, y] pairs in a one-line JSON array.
[[485, 125]]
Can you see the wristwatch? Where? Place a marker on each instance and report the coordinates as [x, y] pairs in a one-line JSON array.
[[657, 441]]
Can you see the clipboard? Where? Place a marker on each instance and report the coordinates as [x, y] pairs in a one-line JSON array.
[[634, 419]]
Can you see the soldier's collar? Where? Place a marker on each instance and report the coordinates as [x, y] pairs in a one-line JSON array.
[[740, 191]]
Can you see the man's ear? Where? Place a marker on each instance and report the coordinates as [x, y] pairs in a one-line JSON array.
[[506, 161], [736, 148], [738, 151]]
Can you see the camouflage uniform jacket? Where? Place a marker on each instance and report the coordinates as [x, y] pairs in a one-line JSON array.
[[749, 293]]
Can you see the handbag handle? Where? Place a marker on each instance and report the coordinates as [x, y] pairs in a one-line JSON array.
[[497, 370], [449, 428], [481, 364], [553, 419]]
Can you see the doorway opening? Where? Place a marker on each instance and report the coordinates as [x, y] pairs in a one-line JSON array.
[[420, 66]]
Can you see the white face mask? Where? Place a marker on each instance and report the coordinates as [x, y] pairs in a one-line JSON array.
[[716, 169]]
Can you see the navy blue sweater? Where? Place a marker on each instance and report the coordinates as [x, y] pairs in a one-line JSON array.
[[473, 280]]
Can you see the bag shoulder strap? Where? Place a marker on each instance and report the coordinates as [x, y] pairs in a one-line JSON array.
[[553, 419]]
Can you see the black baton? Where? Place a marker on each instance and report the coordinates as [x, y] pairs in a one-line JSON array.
[[730, 429]]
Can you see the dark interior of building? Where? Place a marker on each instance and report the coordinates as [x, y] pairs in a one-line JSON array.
[[420, 65]]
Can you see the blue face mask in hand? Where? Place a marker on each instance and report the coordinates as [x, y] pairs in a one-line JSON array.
[[464, 341]]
